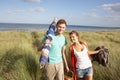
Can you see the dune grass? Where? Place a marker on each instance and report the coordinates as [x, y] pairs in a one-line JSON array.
[[19, 58]]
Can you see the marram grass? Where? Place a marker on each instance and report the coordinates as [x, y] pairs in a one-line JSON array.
[[19, 58]]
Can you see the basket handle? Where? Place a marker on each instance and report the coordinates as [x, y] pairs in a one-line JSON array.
[[70, 73]]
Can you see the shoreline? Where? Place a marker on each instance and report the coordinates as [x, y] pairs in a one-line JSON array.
[[44, 30], [44, 27]]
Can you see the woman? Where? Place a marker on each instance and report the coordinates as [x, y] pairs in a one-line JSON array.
[[81, 63]]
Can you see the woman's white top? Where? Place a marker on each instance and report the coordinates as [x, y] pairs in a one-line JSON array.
[[83, 60]]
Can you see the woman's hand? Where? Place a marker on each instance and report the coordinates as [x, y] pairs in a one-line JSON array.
[[67, 68]]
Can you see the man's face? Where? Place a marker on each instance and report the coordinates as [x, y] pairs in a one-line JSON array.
[[61, 28]]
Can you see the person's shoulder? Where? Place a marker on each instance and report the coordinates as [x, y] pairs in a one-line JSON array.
[[71, 46], [83, 42], [63, 36], [53, 35]]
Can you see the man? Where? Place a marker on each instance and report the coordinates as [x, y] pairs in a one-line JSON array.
[[56, 53]]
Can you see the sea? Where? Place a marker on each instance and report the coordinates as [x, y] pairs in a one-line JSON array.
[[37, 27]]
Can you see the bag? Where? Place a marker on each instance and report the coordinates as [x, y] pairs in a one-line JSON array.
[[102, 56], [69, 76]]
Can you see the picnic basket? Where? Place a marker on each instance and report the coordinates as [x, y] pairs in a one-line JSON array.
[[69, 76]]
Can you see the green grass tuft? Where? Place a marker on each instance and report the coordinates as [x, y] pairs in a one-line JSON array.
[[19, 59]]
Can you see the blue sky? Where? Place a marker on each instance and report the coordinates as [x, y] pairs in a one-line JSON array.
[[75, 12]]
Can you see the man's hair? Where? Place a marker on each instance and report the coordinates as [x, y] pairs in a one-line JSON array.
[[61, 21]]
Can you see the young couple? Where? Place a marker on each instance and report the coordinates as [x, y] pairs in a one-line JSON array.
[[53, 47]]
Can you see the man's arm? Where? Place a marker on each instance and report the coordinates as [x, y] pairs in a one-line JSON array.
[[41, 45], [46, 39], [64, 57]]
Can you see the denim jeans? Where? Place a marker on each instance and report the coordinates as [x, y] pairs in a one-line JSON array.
[[84, 72]]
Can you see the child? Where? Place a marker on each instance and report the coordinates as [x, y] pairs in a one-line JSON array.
[[46, 48]]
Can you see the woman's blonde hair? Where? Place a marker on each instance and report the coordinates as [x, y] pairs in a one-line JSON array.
[[74, 32]]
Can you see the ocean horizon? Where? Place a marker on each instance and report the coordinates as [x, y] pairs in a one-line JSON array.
[[44, 27]]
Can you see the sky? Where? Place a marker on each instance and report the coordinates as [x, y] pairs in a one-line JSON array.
[[105, 13]]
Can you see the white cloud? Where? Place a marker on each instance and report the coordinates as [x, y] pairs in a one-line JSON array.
[[107, 17], [111, 12], [113, 8], [94, 15], [112, 18], [35, 1], [38, 9]]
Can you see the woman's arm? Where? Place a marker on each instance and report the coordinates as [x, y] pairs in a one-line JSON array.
[[94, 52], [64, 57], [90, 52]]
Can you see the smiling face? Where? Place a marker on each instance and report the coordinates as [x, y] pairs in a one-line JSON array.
[[74, 36], [61, 26]]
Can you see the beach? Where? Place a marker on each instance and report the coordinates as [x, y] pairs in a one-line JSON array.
[[23, 25], [19, 58]]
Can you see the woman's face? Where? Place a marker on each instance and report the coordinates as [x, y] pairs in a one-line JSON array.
[[73, 37], [61, 28]]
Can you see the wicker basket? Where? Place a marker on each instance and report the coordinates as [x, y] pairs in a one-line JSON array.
[[68, 76]]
